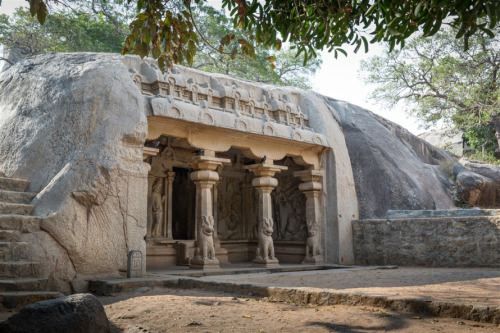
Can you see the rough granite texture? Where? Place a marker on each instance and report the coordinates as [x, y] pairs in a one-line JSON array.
[[74, 126], [393, 169], [445, 241], [79, 313], [478, 183]]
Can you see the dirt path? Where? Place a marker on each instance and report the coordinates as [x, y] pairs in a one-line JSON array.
[[176, 310]]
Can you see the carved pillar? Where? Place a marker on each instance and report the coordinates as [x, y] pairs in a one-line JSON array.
[[265, 184], [205, 177], [312, 189], [215, 203], [168, 204]]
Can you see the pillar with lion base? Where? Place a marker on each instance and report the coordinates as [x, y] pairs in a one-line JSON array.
[[312, 189], [205, 177], [265, 184]]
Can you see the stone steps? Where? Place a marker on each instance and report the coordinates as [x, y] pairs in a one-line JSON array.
[[15, 208], [12, 184], [10, 236], [23, 284], [22, 223], [16, 300], [20, 281], [16, 197], [19, 269], [13, 251]]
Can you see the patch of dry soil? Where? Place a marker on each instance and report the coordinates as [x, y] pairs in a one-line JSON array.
[[176, 310]]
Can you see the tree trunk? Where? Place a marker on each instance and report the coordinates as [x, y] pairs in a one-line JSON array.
[[496, 123]]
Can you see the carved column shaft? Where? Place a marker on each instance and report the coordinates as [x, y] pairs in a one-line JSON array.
[[169, 190], [265, 184], [205, 178], [215, 194], [204, 181], [312, 189]]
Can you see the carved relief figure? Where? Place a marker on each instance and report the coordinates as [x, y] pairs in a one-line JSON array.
[[205, 244], [229, 212], [313, 246], [289, 206], [265, 249], [157, 209]]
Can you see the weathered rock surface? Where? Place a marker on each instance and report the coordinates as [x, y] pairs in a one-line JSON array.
[[72, 314], [74, 126], [478, 183], [393, 169], [445, 138]]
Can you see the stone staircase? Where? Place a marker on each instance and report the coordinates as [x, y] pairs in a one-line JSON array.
[[20, 280]]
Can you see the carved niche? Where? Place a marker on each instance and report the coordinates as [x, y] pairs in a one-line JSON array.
[[289, 205]]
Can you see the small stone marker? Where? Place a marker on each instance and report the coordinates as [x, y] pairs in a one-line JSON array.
[[134, 264]]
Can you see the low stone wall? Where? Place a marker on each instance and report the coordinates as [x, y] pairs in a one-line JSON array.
[[434, 242]]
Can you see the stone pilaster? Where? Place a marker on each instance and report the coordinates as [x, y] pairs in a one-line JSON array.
[[168, 203], [265, 184], [312, 189], [205, 177]]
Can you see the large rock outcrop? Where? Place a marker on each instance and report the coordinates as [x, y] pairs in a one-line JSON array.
[[74, 125], [477, 183], [446, 138], [393, 169]]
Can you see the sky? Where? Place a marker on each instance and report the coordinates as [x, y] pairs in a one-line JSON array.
[[337, 78]]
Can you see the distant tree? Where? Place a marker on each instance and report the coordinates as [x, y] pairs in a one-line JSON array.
[[439, 81], [98, 27], [63, 31], [285, 69], [309, 25]]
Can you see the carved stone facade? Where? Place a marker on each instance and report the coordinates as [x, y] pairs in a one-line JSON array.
[[236, 207], [241, 148]]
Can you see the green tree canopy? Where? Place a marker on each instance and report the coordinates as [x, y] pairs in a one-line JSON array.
[[439, 81], [310, 25], [100, 26], [63, 31], [285, 69]]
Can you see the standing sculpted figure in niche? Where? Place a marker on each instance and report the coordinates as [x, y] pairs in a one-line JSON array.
[[265, 249], [157, 209]]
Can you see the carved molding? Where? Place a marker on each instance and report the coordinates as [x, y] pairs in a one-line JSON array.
[[253, 146], [229, 107]]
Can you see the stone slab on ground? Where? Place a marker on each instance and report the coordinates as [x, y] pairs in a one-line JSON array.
[[170, 277], [477, 286], [464, 293]]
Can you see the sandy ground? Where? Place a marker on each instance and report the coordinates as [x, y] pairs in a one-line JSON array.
[[178, 310], [172, 310], [475, 286]]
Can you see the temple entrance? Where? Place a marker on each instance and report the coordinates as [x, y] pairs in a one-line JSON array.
[[234, 208], [183, 205]]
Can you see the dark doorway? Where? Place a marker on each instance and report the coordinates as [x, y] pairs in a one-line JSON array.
[[183, 205]]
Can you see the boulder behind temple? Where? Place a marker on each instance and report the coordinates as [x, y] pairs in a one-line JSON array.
[[478, 183], [393, 169]]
